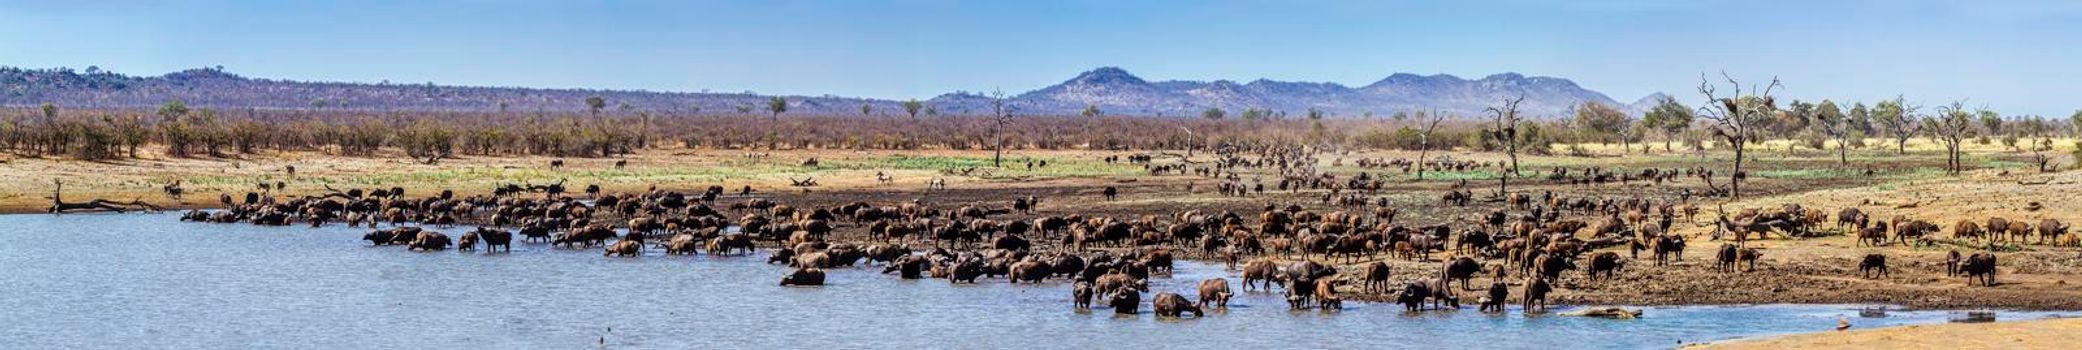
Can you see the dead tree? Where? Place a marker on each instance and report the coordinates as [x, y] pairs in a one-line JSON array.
[[1424, 141], [58, 204], [1950, 126], [549, 190], [1000, 116], [805, 182], [1897, 117], [1192, 141], [1836, 126], [1506, 135], [1735, 119]]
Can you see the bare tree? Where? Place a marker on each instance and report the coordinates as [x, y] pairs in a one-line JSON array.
[[1001, 116], [1735, 119], [1506, 135], [1423, 140], [1952, 124], [1833, 123], [1899, 120]]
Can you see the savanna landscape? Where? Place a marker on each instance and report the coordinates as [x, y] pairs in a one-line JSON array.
[[1731, 211]]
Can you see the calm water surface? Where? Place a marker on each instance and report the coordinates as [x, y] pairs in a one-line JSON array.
[[106, 281]]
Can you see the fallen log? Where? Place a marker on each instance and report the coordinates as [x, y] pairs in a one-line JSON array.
[[58, 204]]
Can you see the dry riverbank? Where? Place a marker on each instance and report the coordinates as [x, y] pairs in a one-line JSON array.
[[2028, 334]]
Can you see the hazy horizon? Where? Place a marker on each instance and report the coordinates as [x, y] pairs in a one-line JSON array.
[[2008, 55]]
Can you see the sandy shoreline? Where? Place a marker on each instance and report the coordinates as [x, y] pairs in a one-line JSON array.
[[2057, 333]]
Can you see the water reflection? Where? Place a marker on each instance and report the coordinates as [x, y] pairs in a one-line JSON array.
[[131, 281]]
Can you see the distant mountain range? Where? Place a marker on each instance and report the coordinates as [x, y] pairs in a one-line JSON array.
[[1113, 91]]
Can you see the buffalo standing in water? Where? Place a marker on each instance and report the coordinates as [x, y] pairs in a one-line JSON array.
[[467, 242], [1413, 295], [401, 235], [1260, 270], [495, 240], [807, 276], [1125, 301], [909, 267], [624, 248], [1536, 294], [1494, 301], [1081, 295], [1215, 290], [429, 241], [1173, 305]]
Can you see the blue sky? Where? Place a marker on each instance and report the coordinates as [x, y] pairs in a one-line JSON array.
[[2016, 57]]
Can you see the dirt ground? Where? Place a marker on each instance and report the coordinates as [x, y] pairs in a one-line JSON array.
[[2032, 334], [1809, 270]]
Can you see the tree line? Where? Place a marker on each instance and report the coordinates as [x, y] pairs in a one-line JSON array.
[[174, 129]]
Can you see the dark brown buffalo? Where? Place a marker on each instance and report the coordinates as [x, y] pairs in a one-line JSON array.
[[1173, 305], [1376, 278], [1462, 269], [1081, 295], [1749, 257], [496, 240], [1873, 266], [428, 241], [1552, 265], [2051, 229], [727, 244], [966, 271], [1873, 236], [804, 277], [1030, 271], [909, 267], [1967, 229], [1670, 247], [1605, 264], [1979, 269], [1724, 261], [1413, 295], [1301, 292], [1952, 260], [1125, 301], [1499, 293]]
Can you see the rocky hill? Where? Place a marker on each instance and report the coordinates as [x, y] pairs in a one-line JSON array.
[[1113, 90]]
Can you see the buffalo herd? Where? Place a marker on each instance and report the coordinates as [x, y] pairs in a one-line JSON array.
[[1538, 236]]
